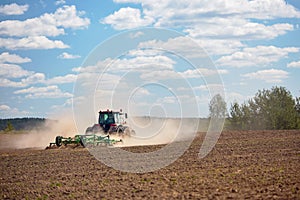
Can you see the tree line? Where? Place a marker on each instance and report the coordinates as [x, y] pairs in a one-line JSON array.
[[267, 110], [20, 123]]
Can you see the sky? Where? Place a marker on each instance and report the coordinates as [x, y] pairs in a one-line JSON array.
[[163, 58]]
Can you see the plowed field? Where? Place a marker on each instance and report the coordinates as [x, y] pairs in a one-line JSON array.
[[243, 164]]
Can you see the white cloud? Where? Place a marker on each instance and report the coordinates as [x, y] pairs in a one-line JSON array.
[[4, 107], [13, 71], [136, 35], [149, 64], [295, 64], [67, 17], [184, 46], [161, 75], [25, 77], [69, 78], [192, 48], [269, 75], [30, 78], [60, 2], [34, 79], [4, 82], [232, 97], [220, 46], [52, 24], [252, 56], [140, 63], [13, 75], [210, 87], [167, 100], [137, 63], [272, 9], [66, 55], [6, 57], [170, 13], [32, 42], [30, 27], [218, 26], [13, 9], [66, 107], [127, 18], [9, 70], [236, 28], [171, 74], [145, 52], [43, 92], [8, 112], [140, 93], [202, 72]]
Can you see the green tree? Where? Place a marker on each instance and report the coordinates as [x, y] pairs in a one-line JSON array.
[[236, 115], [217, 107], [9, 127], [269, 109], [276, 108], [240, 116]]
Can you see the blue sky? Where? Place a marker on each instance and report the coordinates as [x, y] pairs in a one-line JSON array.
[[46, 49]]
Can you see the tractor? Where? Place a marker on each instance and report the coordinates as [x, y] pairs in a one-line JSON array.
[[111, 122]]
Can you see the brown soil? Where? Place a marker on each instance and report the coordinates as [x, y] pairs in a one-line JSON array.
[[248, 164]]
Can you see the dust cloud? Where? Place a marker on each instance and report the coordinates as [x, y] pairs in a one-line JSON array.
[[154, 131], [148, 131], [40, 137]]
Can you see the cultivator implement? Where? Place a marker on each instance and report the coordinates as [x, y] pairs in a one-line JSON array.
[[85, 140]]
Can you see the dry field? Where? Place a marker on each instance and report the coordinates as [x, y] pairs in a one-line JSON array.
[[247, 164]]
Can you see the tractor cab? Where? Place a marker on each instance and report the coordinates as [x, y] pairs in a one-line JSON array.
[[109, 122], [108, 119]]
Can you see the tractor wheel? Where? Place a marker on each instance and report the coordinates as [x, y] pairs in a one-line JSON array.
[[89, 130], [119, 130], [58, 141], [126, 132]]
